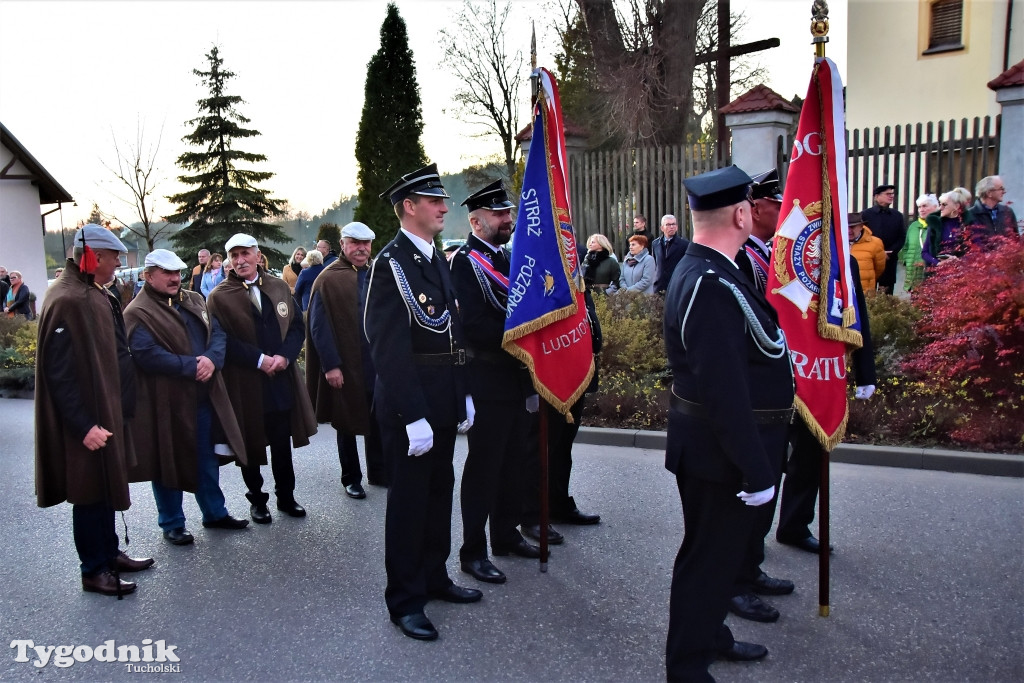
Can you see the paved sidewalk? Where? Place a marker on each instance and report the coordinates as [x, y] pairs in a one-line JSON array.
[[926, 584]]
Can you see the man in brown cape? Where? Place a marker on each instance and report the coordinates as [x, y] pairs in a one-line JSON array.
[[85, 395], [267, 392], [339, 370], [182, 399]]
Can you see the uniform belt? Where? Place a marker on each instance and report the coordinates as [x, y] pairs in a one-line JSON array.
[[761, 417], [457, 357], [497, 357]]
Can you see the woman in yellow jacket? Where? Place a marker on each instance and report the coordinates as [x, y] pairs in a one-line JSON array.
[[868, 250]]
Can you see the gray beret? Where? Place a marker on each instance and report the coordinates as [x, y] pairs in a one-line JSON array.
[[164, 258], [240, 239], [357, 231], [98, 237]]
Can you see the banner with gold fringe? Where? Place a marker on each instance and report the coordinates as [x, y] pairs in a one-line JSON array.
[[810, 283], [546, 321]]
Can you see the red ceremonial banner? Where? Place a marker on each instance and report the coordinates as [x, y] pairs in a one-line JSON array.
[[809, 282]]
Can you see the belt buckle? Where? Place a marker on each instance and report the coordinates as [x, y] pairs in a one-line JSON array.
[[460, 357]]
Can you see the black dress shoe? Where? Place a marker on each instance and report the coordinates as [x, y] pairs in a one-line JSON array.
[[106, 583], [522, 549], [767, 585], [291, 508], [179, 536], [228, 522], [355, 491], [577, 517], [128, 564], [743, 652], [808, 543], [457, 594], [416, 625], [749, 606], [483, 570], [260, 514], [533, 531]]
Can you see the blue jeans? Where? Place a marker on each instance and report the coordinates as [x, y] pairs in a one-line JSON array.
[[208, 494]]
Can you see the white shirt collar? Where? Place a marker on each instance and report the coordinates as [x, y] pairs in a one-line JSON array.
[[425, 247]]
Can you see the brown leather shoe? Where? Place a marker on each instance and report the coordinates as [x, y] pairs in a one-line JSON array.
[[105, 583], [129, 564]]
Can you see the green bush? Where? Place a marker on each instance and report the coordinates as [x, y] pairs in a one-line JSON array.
[[632, 389], [631, 324], [892, 321]]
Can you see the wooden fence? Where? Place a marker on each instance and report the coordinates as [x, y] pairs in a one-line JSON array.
[[921, 158], [608, 188]]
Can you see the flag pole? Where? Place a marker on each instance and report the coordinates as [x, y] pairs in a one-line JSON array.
[[819, 33], [542, 426]]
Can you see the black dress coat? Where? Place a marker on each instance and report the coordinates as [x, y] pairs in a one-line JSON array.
[[412, 324]]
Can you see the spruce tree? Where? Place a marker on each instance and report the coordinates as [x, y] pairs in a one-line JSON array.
[[388, 143], [224, 199]]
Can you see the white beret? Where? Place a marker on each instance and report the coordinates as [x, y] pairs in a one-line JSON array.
[[357, 231], [164, 258], [98, 237], [240, 239]]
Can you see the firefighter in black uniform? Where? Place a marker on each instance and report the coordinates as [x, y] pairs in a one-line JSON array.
[[421, 399], [731, 405], [492, 481]]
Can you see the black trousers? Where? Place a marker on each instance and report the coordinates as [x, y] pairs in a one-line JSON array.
[[718, 527], [492, 480], [800, 489], [348, 455], [418, 522], [887, 280], [561, 436], [95, 538], [277, 427], [751, 567]]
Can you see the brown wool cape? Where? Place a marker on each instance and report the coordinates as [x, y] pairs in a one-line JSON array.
[[229, 302], [65, 469], [164, 427], [346, 409]]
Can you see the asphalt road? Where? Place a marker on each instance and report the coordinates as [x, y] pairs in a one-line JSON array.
[[926, 585]]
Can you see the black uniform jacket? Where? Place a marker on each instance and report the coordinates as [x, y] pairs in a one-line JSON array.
[[411, 315], [716, 363], [494, 374]]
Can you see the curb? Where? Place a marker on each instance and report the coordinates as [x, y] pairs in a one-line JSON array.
[[965, 462]]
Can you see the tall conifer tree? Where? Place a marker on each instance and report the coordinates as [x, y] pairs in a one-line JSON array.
[[224, 199], [388, 143]]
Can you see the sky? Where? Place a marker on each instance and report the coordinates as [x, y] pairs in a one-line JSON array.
[[76, 76]]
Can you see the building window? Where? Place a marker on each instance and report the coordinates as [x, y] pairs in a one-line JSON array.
[[946, 26]]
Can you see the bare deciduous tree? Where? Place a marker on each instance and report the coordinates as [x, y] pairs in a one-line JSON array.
[[491, 76], [135, 168], [745, 71], [645, 57]]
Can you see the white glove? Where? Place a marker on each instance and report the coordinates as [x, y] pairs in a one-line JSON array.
[[465, 425], [421, 436], [758, 498], [532, 403], [864, 392]]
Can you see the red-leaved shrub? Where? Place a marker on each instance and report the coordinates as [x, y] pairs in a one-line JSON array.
[[973, 325]]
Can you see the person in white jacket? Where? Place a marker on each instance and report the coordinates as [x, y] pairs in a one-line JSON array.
[[638, 268]]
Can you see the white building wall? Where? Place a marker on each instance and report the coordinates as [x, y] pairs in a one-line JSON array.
[[21, 232], [891, 83]]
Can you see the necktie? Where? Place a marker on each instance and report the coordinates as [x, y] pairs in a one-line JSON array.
[[255, 296], [501, 260]]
